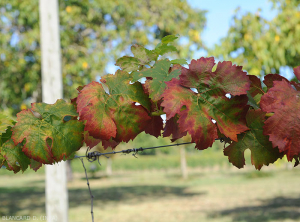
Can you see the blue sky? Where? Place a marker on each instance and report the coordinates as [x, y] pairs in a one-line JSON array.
[[220, 13], [219, 17]]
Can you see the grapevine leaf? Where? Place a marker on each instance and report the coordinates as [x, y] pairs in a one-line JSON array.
[[255, 92], [251, 101], [5, 136], [168, 39], [35, 165], [163, 49], [172, 128], [283, 127], [198, 110], [15, 159], [114, 114], [179, 61], [128, 63], [227, 78], [48, 139], [262, 151], [90, 141], [110, 143], [130, 120], [143, 55], [297, 72], [271, 78], [154, 126], [5, 122], [159, 74], [255, 86], [120, 84]]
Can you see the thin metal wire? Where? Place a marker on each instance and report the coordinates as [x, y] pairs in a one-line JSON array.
[[92, 197], [93, 155]]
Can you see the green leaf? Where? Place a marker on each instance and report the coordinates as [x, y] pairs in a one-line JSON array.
[[179, 61], [143, 55], [163, 49], [159, 74], [262, 151], [13, 156], [5, 122], [128, 63], [169, 38], [119, 84], [5, 136], [251, 101], [49, 139]]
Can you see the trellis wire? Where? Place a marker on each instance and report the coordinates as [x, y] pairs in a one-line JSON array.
[[93, 156]]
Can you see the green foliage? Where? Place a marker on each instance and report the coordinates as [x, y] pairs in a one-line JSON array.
[[263, 46], [92, 34]]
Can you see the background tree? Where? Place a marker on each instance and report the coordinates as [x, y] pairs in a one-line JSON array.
[[263, 46], [93, 33]]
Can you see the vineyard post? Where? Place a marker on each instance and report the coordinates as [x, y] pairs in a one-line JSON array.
[[52, 89]]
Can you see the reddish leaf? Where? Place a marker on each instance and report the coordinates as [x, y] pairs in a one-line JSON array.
[[255, 92], [110, 143], [297, 72], [35, 165], [227, 78], [199, 72], [49, 138], [197, 110], [154, 126], [270, 78], [262, 151], [114, 114], [284, 126], [90, 141], [255, 86], [172, 128]]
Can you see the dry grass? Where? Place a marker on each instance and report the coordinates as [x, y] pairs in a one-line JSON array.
[[231, 195]]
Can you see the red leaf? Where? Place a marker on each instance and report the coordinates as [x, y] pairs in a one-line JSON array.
[[90, 141], [197, 110], [270, 78], [255, 87], [228, 78], [199, 72], [284, 126], [172, 128], [114, 114], [297, 72], [110, 143], [154, 126]]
